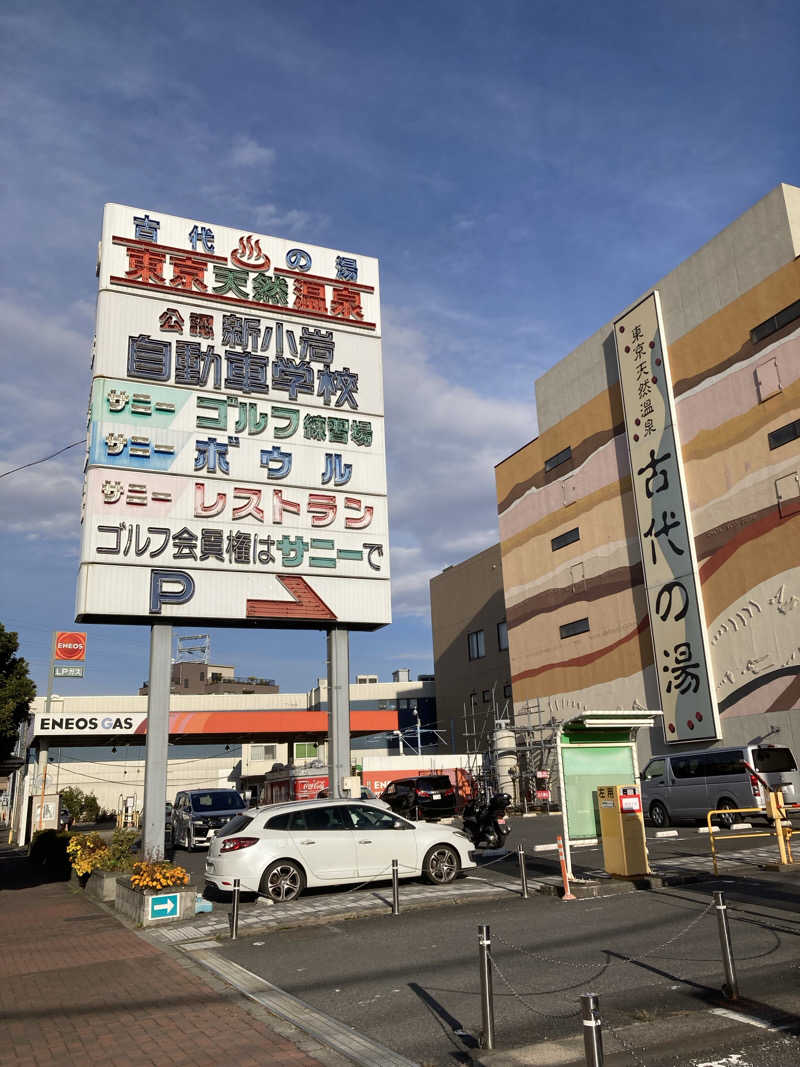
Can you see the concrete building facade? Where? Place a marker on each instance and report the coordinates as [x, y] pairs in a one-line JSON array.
[[470, 649], [96, 743], [574, 586]]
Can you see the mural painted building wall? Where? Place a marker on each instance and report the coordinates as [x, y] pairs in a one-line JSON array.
[[576, 606]]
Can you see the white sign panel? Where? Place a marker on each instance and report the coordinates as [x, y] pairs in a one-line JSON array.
[[236, 464], [72, 725], [666, 538]]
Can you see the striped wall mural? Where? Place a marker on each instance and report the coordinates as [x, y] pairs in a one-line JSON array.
[[568, 534]]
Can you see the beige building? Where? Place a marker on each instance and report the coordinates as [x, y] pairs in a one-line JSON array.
[[586, 620], [470, 649], [192, 677]]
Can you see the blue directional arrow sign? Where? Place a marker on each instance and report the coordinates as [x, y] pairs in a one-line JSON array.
[[164, 906]]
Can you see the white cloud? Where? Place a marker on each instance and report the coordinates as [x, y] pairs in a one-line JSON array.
[[249, 153], [273, 218], [443, 441]]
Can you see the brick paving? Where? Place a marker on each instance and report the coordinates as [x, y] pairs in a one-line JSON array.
[[77, 987]]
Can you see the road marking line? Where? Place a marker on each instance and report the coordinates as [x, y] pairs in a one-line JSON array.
[[667, 833], [740, 1017], [357, 1047]]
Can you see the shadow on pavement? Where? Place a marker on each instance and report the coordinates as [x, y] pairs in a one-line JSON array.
[[453, 1029], [19, 871]]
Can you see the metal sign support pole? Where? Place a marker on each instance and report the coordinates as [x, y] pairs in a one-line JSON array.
[[338, 710], [155, 764], [43, 745]]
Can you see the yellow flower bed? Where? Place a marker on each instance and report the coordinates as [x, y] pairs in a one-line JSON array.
[[87, 852], [158, 874]]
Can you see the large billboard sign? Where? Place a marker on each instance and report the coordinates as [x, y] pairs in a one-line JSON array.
[[236, 467], [666, 539]]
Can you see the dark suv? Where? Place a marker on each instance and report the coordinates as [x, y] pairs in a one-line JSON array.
[[199, 813], [431, 796]]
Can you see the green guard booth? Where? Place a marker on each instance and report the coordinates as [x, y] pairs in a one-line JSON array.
[[595, 748]]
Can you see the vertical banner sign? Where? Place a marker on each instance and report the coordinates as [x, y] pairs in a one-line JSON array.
[[677, 618], [235, 468]]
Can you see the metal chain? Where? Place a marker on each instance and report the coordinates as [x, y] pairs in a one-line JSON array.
[[623, 1044], [525, 1004], [664, 944], [500, 859], [542, 956], [595, 963], [381, 876]]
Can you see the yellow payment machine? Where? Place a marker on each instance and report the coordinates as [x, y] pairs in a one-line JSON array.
[[622, 830]]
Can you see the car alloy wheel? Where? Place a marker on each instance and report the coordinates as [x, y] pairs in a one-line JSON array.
[[282, 881], [441, 865], [726, 821], [659, 816]]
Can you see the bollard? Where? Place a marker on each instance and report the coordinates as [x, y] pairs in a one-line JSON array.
[[564, 875], [395, 889], [592, 1030], [233, 918], [731, 987], [523, 873], [487, 994]]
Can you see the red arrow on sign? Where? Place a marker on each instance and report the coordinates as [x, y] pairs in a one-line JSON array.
[[305, 605]]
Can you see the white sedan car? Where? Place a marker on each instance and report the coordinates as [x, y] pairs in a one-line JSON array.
[[280, 849]]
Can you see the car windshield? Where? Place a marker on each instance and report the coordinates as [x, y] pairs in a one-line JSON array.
[[437, 783], [217, 800]]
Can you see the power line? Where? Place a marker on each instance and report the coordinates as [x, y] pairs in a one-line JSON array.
[[35, 462]]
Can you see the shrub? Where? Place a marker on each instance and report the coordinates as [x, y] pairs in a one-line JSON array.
[[72, 799], [91, 808], [49, 849], [87, 852], [119, 852], [158, 874]]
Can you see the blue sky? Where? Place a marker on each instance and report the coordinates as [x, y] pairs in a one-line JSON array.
[[522, 171]]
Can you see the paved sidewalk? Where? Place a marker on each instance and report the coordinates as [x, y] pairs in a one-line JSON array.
[[316, 908], [77, 987]]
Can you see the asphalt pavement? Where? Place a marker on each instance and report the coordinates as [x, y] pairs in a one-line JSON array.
[[411, 981]]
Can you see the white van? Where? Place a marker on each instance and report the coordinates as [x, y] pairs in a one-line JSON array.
[[688, 785]]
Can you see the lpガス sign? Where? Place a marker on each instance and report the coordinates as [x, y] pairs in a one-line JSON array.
[[69, 645]]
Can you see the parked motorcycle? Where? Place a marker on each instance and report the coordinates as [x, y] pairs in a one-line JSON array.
[[485, 821]]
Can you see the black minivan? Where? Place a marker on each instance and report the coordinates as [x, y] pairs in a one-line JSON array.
[[199, 813], [430, 796]]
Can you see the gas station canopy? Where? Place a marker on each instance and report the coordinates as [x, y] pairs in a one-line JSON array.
[[202, 727]]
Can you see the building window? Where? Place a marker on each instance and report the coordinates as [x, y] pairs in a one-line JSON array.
[[572, 629], [185, 683], [476, 644], [558, 459], [565, 539], [775, 323], [305, 750], [782, 436], [502, 636], [487, 695], [263, 753], [507, 692]]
